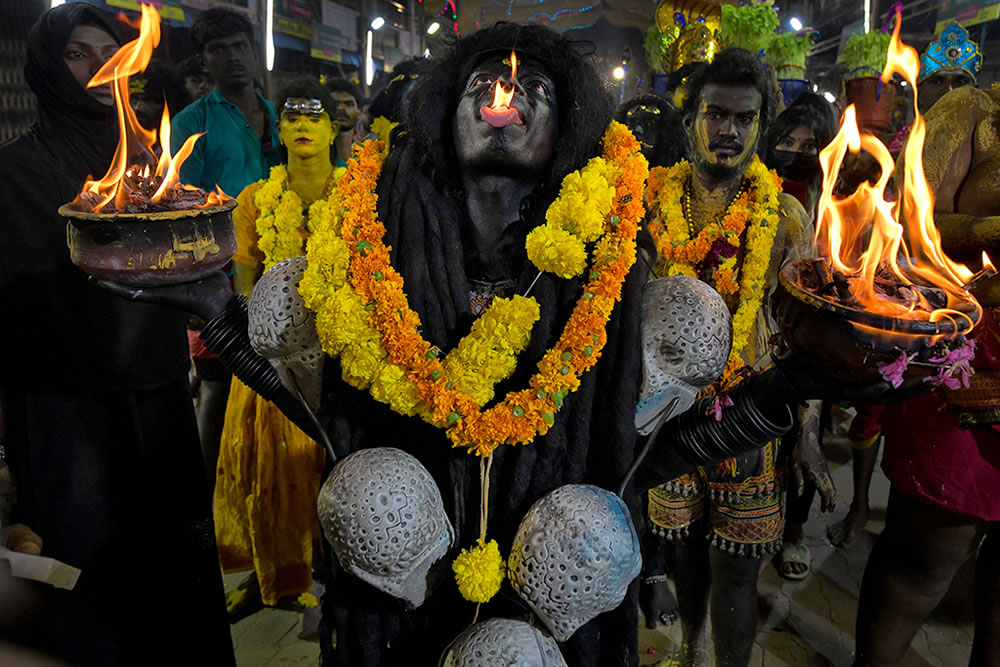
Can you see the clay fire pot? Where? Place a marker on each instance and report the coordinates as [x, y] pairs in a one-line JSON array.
[[873, 102], [823, 334], [150, 249]]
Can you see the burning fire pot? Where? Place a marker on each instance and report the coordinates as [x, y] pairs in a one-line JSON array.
[[138, 225], [882, 300]]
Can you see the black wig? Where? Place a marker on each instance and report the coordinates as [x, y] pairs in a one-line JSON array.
[[584, 98], [420, 191]]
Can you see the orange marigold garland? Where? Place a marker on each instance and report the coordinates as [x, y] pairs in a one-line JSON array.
[[521, 415]]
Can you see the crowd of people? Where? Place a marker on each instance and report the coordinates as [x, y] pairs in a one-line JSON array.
[[107, 465]]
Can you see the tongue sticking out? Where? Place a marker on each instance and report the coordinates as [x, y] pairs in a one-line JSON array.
[[501, 117]]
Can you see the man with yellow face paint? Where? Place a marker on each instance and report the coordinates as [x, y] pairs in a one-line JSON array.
[[722, 218], [268, 468]]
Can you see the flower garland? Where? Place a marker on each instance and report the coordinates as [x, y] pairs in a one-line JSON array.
[[575, 218], [280, 215], [353, 276], [754, 211]]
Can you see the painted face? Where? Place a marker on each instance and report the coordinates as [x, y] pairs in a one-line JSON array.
[[198, 86], [523, 146], [347, 112], [937, 84], [644, 121], [799, 140], [306, 134], [724, 130], [87, 49], [232, 61]]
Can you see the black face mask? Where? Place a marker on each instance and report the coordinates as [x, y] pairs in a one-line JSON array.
[[793, 166]]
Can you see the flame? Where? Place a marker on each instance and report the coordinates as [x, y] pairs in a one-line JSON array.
[[902, 238], [502, 96], [132, 168]]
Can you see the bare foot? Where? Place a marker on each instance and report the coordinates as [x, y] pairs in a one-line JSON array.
[[657, 602], [843, 533]]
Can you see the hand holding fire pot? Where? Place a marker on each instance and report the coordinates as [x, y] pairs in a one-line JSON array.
[[205, 298]]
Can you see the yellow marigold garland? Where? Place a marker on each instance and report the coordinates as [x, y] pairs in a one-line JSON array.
[[522, 415], [755, 210], [575, 218], [280, 216]]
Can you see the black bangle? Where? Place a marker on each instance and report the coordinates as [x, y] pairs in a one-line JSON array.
[[701, 439], [227, 336]]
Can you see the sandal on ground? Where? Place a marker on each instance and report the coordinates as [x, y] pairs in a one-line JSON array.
[[794, 553]]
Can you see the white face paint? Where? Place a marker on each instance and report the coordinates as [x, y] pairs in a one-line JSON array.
[[686, 336]]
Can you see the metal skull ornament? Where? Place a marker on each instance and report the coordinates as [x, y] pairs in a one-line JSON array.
[[574, 555], [686, 336], [504, 642], [382, 513], [283, 330]]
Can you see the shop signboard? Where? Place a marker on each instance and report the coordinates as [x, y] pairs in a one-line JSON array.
[[966, 12], [325, 43]]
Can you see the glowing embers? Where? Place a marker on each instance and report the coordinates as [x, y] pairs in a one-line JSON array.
[[500, 113], [138, 181], [885, 257]]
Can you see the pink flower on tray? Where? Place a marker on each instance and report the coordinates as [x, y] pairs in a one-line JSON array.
[[892, 372]]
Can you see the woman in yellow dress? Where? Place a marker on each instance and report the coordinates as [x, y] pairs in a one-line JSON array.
[[269, 471]]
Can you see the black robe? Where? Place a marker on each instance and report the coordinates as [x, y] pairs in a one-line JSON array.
[[592, 441], [100, 431]]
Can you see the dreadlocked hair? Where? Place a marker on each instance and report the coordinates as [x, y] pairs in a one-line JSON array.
[[420, 196]]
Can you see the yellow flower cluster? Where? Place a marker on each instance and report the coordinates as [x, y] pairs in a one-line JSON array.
[[479, 571], [491, 348], [280, 218], [578, 216], [383, 127], [755, 211]]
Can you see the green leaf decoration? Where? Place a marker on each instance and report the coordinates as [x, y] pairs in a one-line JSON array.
[[865, 53], [655, 45], [750, 26], [787, 54]]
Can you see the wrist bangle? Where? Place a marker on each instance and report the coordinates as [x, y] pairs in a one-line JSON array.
[[656, 579]]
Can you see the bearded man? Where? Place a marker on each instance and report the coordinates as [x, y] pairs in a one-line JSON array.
[[460, 194], [723, 219]]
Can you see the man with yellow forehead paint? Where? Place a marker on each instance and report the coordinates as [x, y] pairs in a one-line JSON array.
[[722, 218]]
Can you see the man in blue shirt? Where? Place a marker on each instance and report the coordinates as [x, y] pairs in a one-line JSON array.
[[241, 140]]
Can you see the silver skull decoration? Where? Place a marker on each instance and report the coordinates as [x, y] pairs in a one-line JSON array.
[[382, 513], [504, 642], [574, 555], [686, 337], [283, 330]]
